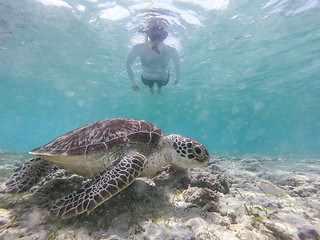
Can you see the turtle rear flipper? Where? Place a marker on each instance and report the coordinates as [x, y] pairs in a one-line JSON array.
[[24, 177], [107, 184]]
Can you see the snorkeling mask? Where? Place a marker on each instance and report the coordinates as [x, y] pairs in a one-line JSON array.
[[157, 33]]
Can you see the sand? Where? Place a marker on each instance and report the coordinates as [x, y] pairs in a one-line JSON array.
[[247, 197]]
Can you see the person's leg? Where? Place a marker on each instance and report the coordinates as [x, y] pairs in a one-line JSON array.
[[163, 83], [151, 90], [148, 83]]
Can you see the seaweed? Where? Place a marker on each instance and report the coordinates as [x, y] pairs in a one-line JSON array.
[[177, 196]]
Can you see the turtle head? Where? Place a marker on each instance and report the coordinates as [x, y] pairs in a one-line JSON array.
[[187, 153]]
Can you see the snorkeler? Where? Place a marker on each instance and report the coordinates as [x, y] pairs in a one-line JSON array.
[[154, 57]]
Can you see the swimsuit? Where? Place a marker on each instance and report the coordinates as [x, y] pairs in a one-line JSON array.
[[160, 83]]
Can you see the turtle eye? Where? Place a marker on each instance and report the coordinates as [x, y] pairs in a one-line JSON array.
[[199, 151]]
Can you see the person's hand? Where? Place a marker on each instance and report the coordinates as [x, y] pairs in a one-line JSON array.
[[175, 83], [136, 88]]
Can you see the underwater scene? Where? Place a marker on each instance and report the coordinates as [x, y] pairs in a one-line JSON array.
[[178, 119]]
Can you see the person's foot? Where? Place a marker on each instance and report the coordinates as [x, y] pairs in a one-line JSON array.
[[151, 90], [159, 90]]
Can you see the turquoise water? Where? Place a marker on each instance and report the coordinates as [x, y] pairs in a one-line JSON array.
[[249, 72]]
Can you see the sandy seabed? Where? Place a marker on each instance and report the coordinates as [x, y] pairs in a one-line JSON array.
[[248, 197]]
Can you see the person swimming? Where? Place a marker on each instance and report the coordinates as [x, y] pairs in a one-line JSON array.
[[154, 57]]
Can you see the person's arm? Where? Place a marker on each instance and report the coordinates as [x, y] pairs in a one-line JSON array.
[[176, 64], [130, 60]]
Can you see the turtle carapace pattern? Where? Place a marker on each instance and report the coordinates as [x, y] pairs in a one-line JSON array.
[[111, 153]]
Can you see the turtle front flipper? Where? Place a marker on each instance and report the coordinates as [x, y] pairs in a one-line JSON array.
[[24, 177], [107, 184]]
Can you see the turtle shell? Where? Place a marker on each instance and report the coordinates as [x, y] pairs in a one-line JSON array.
[[100, 135]]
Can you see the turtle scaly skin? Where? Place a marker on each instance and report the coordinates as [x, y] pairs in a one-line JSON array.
[[112, 153], [27, 175], [107, 184]]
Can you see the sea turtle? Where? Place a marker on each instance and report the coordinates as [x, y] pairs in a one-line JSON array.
[[112, 153]]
